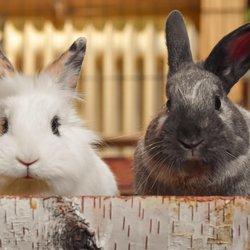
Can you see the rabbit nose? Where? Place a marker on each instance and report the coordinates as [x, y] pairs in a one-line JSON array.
[[190, 144], [26, 163]]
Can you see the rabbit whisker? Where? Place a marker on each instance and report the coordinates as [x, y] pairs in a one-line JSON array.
[[160, 165], [152, 170]]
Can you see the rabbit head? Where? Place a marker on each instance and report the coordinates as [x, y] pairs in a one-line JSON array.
[[199, 131], [43, 147]]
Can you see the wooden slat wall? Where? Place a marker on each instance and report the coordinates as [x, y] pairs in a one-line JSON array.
[[217, 18]]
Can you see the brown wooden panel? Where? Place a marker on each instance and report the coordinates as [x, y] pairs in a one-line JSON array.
[[126, 140], [94, 7]]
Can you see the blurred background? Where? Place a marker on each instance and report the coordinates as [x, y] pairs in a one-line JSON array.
[[124, 71]]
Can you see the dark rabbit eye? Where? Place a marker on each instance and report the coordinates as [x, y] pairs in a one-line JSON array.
[[168, 105], [55, 124], [217, 103], [5, 125]]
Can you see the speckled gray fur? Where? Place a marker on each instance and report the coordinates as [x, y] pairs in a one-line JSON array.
[[199, 112]]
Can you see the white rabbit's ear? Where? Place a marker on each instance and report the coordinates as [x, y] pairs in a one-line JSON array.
[[230, 58], [177, 42], [66, 69], [6, 68]]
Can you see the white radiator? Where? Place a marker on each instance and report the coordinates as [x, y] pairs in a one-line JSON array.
[[124, 71]]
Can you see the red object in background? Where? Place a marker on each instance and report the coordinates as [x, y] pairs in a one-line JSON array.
[[122, 168]]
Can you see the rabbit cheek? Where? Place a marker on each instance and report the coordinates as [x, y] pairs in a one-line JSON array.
[[161, 121], [154, 131]]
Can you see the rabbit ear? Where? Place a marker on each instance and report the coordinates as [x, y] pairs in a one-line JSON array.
[[230, 58], [177, 42], [6, 68], [66, 69]]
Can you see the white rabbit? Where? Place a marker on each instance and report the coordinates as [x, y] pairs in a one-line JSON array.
[[43, 147]]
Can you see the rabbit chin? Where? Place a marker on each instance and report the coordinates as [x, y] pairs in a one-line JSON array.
[[192, 155], [192, 163], [193, 167], [24, 186]]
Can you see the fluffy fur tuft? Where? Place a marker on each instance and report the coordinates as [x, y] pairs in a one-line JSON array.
[[44, 149]]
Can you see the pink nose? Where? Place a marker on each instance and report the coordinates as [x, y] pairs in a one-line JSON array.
[[26, 163]]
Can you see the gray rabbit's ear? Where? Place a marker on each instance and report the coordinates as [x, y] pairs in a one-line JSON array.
[[6, 68], [177, 42], [230, 58], [66, 69]]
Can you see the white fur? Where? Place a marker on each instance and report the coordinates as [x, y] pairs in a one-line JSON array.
[[67, 164]]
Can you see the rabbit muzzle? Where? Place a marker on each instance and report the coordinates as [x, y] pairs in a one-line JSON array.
[[190, 144]]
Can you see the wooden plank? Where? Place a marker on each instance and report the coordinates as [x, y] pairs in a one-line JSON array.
[[111, 88], [131, 87], [124, 140], [124, 223], [94, 7]]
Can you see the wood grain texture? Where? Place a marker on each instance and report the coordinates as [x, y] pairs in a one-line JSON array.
[[94, 7], [125, 223]]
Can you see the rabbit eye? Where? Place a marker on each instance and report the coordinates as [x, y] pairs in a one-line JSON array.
[[55, 124], [5, 125], [168, 105], [217, 103]]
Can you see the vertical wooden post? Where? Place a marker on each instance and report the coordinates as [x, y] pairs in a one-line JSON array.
[[150, 71], [131, 119], [219, 17], [111, 103], [92, 85]]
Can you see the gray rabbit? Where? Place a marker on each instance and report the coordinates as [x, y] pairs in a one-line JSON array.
[[198, 144]]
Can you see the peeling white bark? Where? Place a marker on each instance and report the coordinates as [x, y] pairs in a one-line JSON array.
[[123, 223]]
